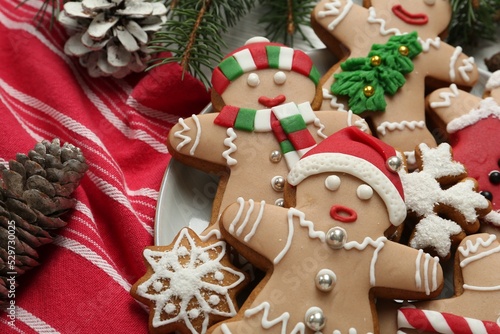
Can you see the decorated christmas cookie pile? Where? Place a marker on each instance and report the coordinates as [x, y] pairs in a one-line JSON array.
[[338, 188]]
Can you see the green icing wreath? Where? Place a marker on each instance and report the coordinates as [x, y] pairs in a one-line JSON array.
[[366, 80]]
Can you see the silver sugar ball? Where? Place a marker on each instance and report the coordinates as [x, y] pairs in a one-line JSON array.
[[280, 202], [315, 319], [275, 156], [325, 280], [278, 183], [336, 237], [394, 163]]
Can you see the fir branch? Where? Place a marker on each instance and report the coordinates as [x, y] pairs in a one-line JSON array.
[[473, 20], [193, 34], [285, 19], [51, 6]]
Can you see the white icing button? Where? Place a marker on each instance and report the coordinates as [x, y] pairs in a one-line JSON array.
[[253, 80], [218, 276], [157, 285], [332, 182], [182, 251], [170, 308], [315, 319], [364, 192], [279, 78], [325, 280], [194, 313], [214, 299]]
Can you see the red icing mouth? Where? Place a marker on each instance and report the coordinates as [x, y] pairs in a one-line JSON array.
[[272, 102], [343, 214], [410, 18]]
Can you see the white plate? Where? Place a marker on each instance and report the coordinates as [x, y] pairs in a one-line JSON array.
[[186, 194]]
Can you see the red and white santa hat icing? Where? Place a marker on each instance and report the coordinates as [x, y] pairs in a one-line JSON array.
[[356, 153], [259, 53]]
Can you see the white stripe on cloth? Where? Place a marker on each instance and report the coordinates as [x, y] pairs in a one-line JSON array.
[[35, 323], [119, 197], [93, 258]]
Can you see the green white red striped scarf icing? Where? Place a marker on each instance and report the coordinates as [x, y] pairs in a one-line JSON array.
[[288, 122]]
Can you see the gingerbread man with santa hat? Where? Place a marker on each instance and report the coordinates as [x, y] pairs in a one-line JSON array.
[[326, 255]]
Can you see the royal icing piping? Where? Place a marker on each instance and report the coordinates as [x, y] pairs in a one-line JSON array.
[[391, 126], [187, 281], [418, 272], [446, 97], [487, 108], [426, 44], [236, 219], [333, 100], [332, 9], [473, 249], [372, 18], [267, 323], [229, 142], [321, 127], [185, 139], [377, 244], [256, 224], [251, 204], [468, 65]]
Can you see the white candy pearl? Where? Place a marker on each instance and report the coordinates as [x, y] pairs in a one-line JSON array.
[[336, 237], [364, 192], [315, 319], [279, 78], [253, 80], [332, 182]]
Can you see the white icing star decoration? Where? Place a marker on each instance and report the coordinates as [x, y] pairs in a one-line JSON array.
[[187, 283], [430, 197]]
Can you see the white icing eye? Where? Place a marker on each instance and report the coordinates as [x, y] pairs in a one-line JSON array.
[[253, 80], [430, 2], [332, 182], [279, 78], [364, 192]]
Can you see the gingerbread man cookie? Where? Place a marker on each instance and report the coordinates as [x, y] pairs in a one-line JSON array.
[[327, 256], [265, 92], [390, 54], [475, 308], [471, 125]]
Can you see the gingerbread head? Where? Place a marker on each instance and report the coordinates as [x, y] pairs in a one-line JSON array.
[[391, 54], [327, 257], [471, 125], [262, 75]]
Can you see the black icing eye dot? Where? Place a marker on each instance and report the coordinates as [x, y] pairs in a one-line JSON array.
[[487, 195], [494, 177]]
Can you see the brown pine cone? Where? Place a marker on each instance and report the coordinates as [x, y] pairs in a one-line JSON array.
[[34, 192]]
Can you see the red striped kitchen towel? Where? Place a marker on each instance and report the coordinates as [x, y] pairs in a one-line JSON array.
[[82, 285]]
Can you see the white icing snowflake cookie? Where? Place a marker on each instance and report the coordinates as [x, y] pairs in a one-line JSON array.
[[188, 285], [445, 202]]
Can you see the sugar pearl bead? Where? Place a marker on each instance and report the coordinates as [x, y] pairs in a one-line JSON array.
[[368, 90], [315, 319], [494, 177], [325, 280], [279, 202], [375, 60], [278, 183], [403, 50], [275, 156], [336, 237], [394, 163]]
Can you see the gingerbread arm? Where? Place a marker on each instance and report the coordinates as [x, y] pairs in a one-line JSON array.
[[197, 138], [450, 103], [400, 267], [455, 67], [260, 227], [331, 121]]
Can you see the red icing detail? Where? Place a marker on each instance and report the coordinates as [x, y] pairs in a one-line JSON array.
[[272, 102], [219, 81], [278, 131], [410, 18], [343, 214], [301, 63], [352, 141], [476, 146], [259, 55], [301, 139], [227, 116]]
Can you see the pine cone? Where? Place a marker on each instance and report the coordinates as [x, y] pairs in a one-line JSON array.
[[34, 192], [110, 36]]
